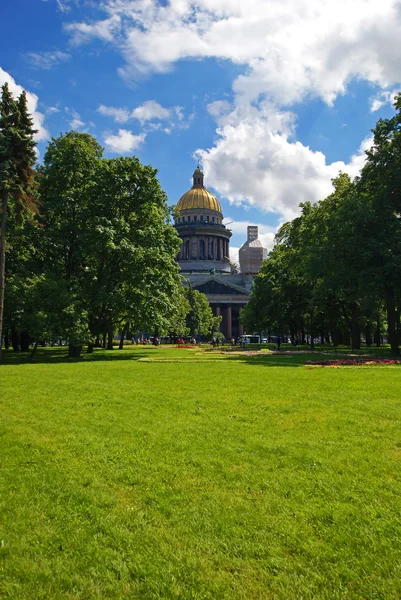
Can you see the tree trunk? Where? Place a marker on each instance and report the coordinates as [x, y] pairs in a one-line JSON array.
[[391, 321], [355, 328], [25, 340], [74, 351], [110, 339], [335, 338], [4, 203], [33, 351], [122, 336], [377, 332], [104, 340], [397, 325], [7, 340], [368, 334], [89, 349], [15, 340]]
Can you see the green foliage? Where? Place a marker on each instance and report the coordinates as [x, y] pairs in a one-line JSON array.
[[108, 237], [200, 319], [334, 269], [17, 176]]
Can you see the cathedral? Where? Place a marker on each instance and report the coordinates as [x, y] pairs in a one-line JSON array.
[[204, 256]]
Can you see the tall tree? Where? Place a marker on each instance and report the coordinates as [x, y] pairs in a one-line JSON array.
[[380, 190], [17, 158], [109, 241]]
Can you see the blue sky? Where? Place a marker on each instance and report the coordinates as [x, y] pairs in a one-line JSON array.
[[273, 97]]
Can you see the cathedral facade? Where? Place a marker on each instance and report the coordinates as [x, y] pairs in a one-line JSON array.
[[204, 256]]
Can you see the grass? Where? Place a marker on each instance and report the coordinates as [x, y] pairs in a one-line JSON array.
[[248, 477]]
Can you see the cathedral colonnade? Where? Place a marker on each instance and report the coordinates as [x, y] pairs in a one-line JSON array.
[[229, 311], [204, 247]]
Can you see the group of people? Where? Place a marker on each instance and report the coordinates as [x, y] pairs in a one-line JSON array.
[[181, 341], [145, 341]]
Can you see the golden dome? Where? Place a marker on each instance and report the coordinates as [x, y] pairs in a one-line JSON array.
[[198, 198]]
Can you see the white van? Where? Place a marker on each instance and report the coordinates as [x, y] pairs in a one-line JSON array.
[[249, 339]]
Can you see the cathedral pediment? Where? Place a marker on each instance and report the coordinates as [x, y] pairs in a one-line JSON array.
[[214, 286]]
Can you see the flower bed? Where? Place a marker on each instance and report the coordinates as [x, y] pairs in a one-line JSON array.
[[350, 362], [184, 346]]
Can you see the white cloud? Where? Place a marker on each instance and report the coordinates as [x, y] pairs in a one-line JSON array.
[[63, 6], [32, 99], [47, 60], [291, 51], [147, 113], [219, 108], [75, 121], [125, 141], [382, 98], [255, 162], [52, 110], [120, 115], [105, 30], [234, 255], [291, 48], [150, 110]]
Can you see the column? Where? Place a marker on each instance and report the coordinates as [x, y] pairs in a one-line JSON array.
[[194, 247], [229, 333], [241, 329]]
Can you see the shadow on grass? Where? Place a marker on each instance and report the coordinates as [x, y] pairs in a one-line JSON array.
[[54, 355], [298, 358], [60, 355]]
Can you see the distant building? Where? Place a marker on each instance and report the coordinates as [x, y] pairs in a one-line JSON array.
[[252, 254], [204, 256]]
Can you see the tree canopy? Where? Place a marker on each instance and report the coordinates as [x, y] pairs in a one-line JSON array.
[[336, 270]]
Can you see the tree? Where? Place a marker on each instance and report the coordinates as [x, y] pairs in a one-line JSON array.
[[67, 178], [109, 238], [380, 190], [200, 319], [133, 277], [17, 157]]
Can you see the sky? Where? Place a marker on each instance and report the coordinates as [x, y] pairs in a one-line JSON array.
[[272, 97]]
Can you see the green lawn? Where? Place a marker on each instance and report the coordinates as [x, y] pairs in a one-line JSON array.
[[247, 477]]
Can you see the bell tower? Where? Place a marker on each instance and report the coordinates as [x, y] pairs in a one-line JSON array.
[[198, 178]]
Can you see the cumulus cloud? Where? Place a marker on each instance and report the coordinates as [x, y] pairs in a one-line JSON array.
[[120, 115], [255, 161], [234, 255], [151, 115], [47, 60], [382, 98], [38, 117], [291, 51], [291, 48], [125, 141], [105, 30], [75, 121], [149, 111]]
